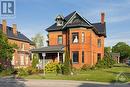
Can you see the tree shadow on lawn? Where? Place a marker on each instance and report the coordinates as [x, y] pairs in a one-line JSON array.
[[11, 82]]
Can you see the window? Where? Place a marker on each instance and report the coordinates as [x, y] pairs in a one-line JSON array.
[[27, 58], [99, 42], [98, 56], [60, 39], [83, 37], [22, 46], [75, 38], [75, 56], [22, 59], [82, 56]]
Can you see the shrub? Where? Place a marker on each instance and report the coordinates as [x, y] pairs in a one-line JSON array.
[[51, 67], [66, 68], [75, 70], [35, 60], [85, 67], [7, 72], [22, 72], [59, 68], [32, 70], [105, 63]]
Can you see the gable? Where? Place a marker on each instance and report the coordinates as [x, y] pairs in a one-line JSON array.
[[76, 19]]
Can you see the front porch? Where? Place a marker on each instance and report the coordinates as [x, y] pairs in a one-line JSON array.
[[50, 53]]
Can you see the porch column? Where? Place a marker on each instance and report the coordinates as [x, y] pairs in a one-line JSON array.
[[63, 57], [58, 58]]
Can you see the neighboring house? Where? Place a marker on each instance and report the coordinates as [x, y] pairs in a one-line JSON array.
[[83, 40], [116, 57], [21, 56]]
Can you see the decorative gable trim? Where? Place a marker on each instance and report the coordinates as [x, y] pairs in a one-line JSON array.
[[73, 18]]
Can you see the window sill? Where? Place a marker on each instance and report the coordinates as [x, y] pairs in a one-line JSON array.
[[75, 62]]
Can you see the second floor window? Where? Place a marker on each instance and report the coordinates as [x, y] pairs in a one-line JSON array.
[[75, 37], [22, 46], [83, 37], [99, 42], [60, 39]]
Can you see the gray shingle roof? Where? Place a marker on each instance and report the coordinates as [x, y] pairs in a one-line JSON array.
[[19, 35], [100, 28], [59, 48]]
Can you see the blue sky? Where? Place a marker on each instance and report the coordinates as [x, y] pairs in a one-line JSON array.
[[34, 16]]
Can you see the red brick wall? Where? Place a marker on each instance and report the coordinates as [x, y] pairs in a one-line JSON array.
[[19, 52], [90, 52]]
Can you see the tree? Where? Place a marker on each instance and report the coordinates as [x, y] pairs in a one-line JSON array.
[[38, 39], [107, 51], [35, 60], [67, 65], [123, 49], [6, 49]]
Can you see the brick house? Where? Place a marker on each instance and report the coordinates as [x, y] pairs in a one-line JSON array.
[[22, 55], [83, 40]]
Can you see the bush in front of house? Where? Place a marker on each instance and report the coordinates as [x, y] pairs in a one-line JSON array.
[[35, 60], [51, 67], [32, 70], [66, 68], [106, 62], [7, 72], [86, 67], [22, 72]]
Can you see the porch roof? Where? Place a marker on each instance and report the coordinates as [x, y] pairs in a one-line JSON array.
[[49, 49]]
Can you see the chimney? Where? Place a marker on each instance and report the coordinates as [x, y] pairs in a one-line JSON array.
[[4, 24], [102, 17], [14, 29]]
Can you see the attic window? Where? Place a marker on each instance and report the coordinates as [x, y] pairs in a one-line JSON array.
[[59, 23]]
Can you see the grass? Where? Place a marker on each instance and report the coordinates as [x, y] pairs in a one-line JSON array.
[[99, 75]]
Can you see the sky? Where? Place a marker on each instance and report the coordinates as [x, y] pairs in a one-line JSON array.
[[34, 16]]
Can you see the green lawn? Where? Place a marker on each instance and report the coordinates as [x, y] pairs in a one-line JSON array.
[[100, 75]]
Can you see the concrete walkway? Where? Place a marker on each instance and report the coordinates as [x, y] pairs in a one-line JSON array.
[[10, 82]]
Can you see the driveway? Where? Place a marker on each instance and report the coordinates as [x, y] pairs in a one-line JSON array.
[[10, 82]]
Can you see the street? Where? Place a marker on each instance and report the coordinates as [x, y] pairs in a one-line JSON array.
[[10, 82]]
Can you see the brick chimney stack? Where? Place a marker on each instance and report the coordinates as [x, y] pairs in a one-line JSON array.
[[102, 17], [14, 29], [4, 24]]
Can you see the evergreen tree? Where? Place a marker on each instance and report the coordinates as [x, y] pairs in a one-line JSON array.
[[67, 64]]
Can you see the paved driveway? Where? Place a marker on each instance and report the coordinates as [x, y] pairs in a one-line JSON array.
[[10, 82]]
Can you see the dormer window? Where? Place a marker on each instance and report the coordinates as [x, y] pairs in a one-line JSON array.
[[59, 20]]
